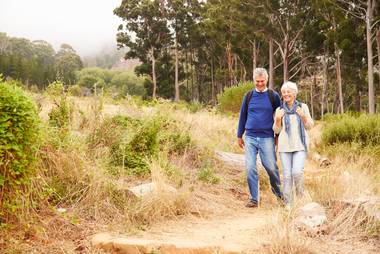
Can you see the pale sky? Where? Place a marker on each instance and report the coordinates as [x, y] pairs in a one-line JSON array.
[[87, 25]]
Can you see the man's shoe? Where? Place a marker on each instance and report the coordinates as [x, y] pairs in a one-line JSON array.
[[251, 204]]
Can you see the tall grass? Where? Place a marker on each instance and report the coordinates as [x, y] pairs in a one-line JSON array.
[[348, 128], [352, 142]]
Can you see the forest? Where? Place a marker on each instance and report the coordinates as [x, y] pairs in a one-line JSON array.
[[194, 49]]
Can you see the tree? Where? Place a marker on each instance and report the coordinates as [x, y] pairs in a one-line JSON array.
[[364, 10], [44, 72], [68, 62], [146, 33]]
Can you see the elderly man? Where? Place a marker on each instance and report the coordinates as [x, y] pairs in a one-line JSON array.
[[256, 121]]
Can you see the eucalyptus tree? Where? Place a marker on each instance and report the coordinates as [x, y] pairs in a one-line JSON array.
[[288, 19], [183, 17], [146, 32], [364, 10], [68, 62], [45, 59], [227, 23]]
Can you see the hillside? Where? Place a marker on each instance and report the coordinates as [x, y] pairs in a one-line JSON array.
[[91, 195]]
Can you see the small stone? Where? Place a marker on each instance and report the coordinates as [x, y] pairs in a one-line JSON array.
[[61, 210]]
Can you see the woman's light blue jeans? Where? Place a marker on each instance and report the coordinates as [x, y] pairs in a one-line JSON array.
[[292, 166], [266, 149]]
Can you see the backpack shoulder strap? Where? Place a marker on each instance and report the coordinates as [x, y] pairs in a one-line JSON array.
[[271, 98], [247, 99]]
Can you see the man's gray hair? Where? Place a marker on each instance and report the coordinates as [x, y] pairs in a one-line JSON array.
[[291, 86], [261, 72]]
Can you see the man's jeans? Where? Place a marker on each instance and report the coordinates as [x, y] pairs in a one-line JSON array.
[[266, 149], [292, 165]]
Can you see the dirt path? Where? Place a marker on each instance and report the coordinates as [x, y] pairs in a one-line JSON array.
[[246, 230], [238, 232]]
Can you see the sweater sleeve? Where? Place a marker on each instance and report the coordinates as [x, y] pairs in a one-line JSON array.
[[276, 129], [309, 123], [242, 119]]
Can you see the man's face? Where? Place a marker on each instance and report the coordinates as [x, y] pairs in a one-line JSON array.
[[261, 83]]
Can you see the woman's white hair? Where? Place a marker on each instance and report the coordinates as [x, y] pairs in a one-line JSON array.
[[291, 86]]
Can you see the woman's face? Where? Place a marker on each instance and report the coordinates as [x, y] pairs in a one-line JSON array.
[[288, 95]]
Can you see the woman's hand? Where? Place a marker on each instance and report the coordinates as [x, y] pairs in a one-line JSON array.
[[280, 114], [300, 112]]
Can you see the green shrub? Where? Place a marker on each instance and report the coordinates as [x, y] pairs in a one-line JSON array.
[[133, 142], [194, 107], [74, 90], [61, 115], [347, 128], [206, 173], [55, 89], [177, 142], [231, 98], [112, 130], [133, 154], [19, 139]]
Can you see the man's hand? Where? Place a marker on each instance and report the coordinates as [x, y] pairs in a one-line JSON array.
[[241, 143]]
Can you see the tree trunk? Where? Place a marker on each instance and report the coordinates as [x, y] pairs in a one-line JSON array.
[[314, 83], [176, 98], [357, 97], [271, 64], [324, 84], [229, 63], [213, 95], [254, 59], [286, 55], [371, 90], [235, 69], [153, 73], [378, 50], [339, 78], [196, 85]]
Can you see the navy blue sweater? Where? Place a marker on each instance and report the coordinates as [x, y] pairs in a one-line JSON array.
[[259, 120]]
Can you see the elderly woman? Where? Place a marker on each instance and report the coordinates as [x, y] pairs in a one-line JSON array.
[[291, 120]]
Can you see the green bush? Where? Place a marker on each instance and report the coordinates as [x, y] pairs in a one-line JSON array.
[[132, 154], [133, 142], [207, 174], [74, 90], [112, 130], [19, 139], [177, 142], [60, 116], [348, 128], [231, 98], [194, 107], [55, 89]]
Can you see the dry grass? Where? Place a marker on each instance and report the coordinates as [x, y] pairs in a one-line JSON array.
[[286, 238], [162, 203], [95, 202], [210, 130]]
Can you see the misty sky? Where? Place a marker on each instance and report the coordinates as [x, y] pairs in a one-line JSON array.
[[87, 25]]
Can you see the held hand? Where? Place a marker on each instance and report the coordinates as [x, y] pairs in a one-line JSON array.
[[280, 114], [300, 112], [241, 143]]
